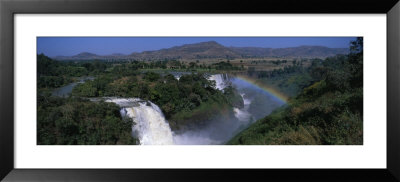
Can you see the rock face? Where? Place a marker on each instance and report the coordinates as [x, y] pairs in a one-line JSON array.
[[237, 101], [211, 49]]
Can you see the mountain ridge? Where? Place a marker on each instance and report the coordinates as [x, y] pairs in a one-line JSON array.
[[212, 49]]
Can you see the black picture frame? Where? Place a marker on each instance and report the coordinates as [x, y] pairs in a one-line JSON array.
[[8, 8]]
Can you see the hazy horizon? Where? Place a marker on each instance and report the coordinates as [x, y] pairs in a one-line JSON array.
[[69, 46]]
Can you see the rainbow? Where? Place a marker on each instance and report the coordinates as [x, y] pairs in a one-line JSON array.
[[271, 91]]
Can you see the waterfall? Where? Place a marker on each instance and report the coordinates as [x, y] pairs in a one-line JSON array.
[[150, 125], [243, 114], [221, 80]]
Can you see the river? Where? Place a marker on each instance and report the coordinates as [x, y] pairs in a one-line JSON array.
[[67, 89], [151, 127]]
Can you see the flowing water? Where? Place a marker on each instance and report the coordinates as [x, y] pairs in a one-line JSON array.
[[224, 80], [221, 80], [67, 89], [64, 91], [151, 127], [178, 74], [243, 113]]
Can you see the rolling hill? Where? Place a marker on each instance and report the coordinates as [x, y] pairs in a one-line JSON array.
[[212, 50]]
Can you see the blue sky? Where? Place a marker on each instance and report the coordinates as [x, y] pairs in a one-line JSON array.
[[68, 46]]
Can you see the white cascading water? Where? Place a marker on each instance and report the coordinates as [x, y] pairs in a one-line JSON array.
[[220, 80], [150, 124], [151, 127], [243, 113]]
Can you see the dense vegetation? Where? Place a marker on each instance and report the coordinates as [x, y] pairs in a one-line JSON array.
[[72, 120], [226, 66], [190, 102], [53, 74], [75, 121], [180, 100], [330, 111], [289, 79], [325, 108]]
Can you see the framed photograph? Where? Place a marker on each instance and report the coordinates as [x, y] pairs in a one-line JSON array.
[[130, 90]]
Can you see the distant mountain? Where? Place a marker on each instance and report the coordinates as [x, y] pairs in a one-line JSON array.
[[80, 56], [301, 51], [212, 49], [117, 54], [190, 51], [91, 56]]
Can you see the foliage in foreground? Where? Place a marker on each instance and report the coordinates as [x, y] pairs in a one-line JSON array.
[[329, 111], [80, 122]]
